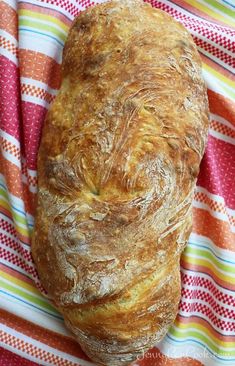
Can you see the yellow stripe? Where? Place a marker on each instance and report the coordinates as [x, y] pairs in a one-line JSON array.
[[211, 13], [205, 263], [20, 283], [48, 18], [218, 75], [21, 230], [204, 329]]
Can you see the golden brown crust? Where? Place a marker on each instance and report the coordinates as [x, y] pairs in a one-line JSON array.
[[117, 166]]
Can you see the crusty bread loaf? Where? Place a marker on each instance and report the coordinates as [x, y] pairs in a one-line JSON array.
[[117, 166]]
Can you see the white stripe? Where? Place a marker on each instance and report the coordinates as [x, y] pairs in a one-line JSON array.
[[224, 15], [190, 349], [230, 212], [215, 84], [11, 158], [221, 136], [219, 28], [222, 121], [212, 196], [213, 213], [42, 45], [9, 55], [216, 59], [203, 302], [45, 347], [13, 238], [38, 84], [9, 37], [205, 276], [10, 138], [43, 34], [31, 314], [17, 254], [209, 41], [35, 100], [214, 326], [225, 254], [46, 22], [11, 3]]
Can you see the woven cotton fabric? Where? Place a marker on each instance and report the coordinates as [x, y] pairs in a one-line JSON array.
[[32, 35]]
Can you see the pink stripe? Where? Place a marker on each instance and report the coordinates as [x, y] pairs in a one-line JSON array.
[[16, 246], [187, 20], [8, 358], [211, 314], [33, 116], [19, 261], [217, 170], [9, 97], [209, 285]]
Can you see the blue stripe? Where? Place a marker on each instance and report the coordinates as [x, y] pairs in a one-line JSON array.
[[42, 34], [4, 187], [47, 6], [189, 340], [211, 250], [227, 2], [31, 305]]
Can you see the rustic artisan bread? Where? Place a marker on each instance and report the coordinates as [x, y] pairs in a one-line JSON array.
[[117, 166]]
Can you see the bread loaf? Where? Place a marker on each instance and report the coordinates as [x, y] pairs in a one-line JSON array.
[[117, 167]]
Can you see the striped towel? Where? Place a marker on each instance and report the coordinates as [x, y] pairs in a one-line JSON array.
[[32, 35]]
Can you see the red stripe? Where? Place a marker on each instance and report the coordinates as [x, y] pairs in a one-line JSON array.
[[197, 12], [221, 106], [215, 51], [50, 338], [205, 323], [208, 284], [8, 358], [33, 116], [213, 314], [217, 170], [43, 10], [208, 271], [187, 19], [9, 97], [19, 261]]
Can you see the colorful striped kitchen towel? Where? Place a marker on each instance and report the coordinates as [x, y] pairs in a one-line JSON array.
[[32, 35]]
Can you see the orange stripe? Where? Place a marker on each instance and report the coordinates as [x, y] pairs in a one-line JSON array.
[[154, 357], [207, 270], [8, 19], [36, 65], [23, 238], [215, 229], [46, 11], [217, 67], [221, 106], [48, 337], [204, 323], [201, 14], [16, 274], [15, 186]]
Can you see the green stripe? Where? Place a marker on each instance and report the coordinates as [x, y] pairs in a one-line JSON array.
[[45, 27], [220, 7], [187, 333], [41, 302], [206, 254]]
